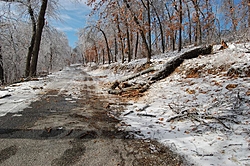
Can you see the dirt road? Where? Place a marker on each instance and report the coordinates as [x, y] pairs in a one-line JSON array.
[[69, 125]]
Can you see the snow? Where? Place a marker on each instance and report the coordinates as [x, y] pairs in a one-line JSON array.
[[20, 95], [205, 139], [203, 90]]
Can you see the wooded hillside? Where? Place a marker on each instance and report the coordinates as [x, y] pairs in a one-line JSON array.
[[127, 30], [117, 30]]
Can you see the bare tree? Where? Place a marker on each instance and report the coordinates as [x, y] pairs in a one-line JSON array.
[[229, 10], [171, 25], [1, 67], [120, 36], [248, 13], [32, 42], [198, 32], [38, 36], [141, 30], [179, 11], [189, 23], [17, 33], [160, 26]]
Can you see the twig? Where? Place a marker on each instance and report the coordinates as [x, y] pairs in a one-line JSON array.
[[8, 95], [143, 108], [223, 124], [228, 119], [196, 116], [170, 107], [235, 145], [70, 131], [199, 120], [177, 117], [199, 154], [130, 112], [120, 104], [245, 160], [153, 116]]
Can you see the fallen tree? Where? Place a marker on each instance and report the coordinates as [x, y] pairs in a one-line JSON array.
[[170, 66], [166, 70]]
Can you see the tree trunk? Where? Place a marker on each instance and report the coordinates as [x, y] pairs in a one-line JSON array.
[[161, 29], [149, 27], [167, 69], [120, 37], [128, 52], [189, 25], [1, 68], [96, 54], [51, 59], [38, 37], [233, 17], [141, 30], [170, 66], [32, 42], [131, 42], [172, 35], [209, 24], [128, 43], [107, 45], [173, 40], [144, 41], [180, 27], [248, 13], [116, 49], [198, 35], [103, 58], [120, 40], [136, 44]]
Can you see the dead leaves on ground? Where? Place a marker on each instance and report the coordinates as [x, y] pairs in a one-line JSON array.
[[190, 91], [231, 86]]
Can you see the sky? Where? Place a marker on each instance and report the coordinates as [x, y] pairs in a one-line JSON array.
[[73, 16]]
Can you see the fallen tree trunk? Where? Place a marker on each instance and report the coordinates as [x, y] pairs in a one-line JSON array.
[[117, 83], [167, 69], [170, 66], [138, 74]]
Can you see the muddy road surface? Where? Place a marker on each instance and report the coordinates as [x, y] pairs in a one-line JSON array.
[[69, 125]]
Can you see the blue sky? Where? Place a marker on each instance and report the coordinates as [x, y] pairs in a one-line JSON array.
[[73, 16]]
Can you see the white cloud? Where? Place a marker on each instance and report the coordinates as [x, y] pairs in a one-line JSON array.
[[74, 5], [66, 29], [64, 16]]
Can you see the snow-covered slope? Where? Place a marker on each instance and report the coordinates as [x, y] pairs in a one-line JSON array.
[[201, 111]]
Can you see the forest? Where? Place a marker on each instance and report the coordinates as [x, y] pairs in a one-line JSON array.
[[117, 31]]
